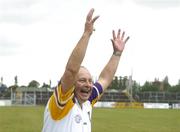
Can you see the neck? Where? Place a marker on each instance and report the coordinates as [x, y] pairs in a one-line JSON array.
[[79, 101]]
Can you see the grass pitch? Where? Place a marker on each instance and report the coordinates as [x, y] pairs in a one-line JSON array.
[[30, 119], [21, 119], [136, 120]]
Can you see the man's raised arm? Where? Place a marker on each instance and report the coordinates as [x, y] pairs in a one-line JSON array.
[[107, 74], [78, 53]]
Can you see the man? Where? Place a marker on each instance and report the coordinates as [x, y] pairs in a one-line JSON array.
[[69, 109]]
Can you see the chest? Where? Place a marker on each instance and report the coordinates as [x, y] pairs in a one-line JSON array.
[[78, 119], [81, 117]]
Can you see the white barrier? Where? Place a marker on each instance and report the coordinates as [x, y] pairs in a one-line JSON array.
[[176, 106], [104, 104], [5, 102], [118, 105], [156, 105], [135, 105]]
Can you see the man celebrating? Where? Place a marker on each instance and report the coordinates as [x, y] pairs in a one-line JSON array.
[[69, 109]]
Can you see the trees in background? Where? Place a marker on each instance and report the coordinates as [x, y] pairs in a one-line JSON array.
[[119, 83]]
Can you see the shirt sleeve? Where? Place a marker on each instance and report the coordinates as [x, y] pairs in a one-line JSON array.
[[96, 93], [60, 104]]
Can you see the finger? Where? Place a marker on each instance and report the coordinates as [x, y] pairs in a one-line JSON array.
[[114, 36], [122, 37], [119, 32], [95, 18], [89, 16], [126, 39]]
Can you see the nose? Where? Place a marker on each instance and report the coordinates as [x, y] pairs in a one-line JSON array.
[[88, 83]]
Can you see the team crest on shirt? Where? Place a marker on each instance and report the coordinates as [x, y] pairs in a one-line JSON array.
[[78, 118]]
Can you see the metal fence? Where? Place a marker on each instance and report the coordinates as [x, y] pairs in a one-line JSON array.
[[41, 97], [159, 97]]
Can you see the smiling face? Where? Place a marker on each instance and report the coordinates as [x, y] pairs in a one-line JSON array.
[[83, 85]]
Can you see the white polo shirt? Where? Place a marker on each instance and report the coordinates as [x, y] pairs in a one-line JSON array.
[[64, 114]]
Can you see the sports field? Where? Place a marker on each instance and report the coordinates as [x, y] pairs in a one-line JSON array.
[[29, 119]]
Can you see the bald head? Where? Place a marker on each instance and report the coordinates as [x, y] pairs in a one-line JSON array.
[[83, 73]]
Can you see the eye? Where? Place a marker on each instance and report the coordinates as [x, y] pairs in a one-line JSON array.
[[90, 81], [82, 80]]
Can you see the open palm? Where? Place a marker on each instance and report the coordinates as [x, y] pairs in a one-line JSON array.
[[119, 41]]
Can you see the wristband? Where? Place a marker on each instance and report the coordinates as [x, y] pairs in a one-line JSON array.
[[116, 53]]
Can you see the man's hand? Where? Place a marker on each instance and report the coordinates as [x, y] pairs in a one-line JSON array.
[[119, 42], [89, 25]]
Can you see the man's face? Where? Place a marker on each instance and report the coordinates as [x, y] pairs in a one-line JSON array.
[[83, 85]]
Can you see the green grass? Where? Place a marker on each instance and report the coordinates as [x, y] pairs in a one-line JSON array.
[[21, 119], [136, 120], [30, 119]]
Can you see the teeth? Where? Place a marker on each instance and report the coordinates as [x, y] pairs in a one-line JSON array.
[[85, 91]]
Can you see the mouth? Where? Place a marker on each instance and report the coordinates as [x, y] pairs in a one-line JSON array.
[[85, 91]]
